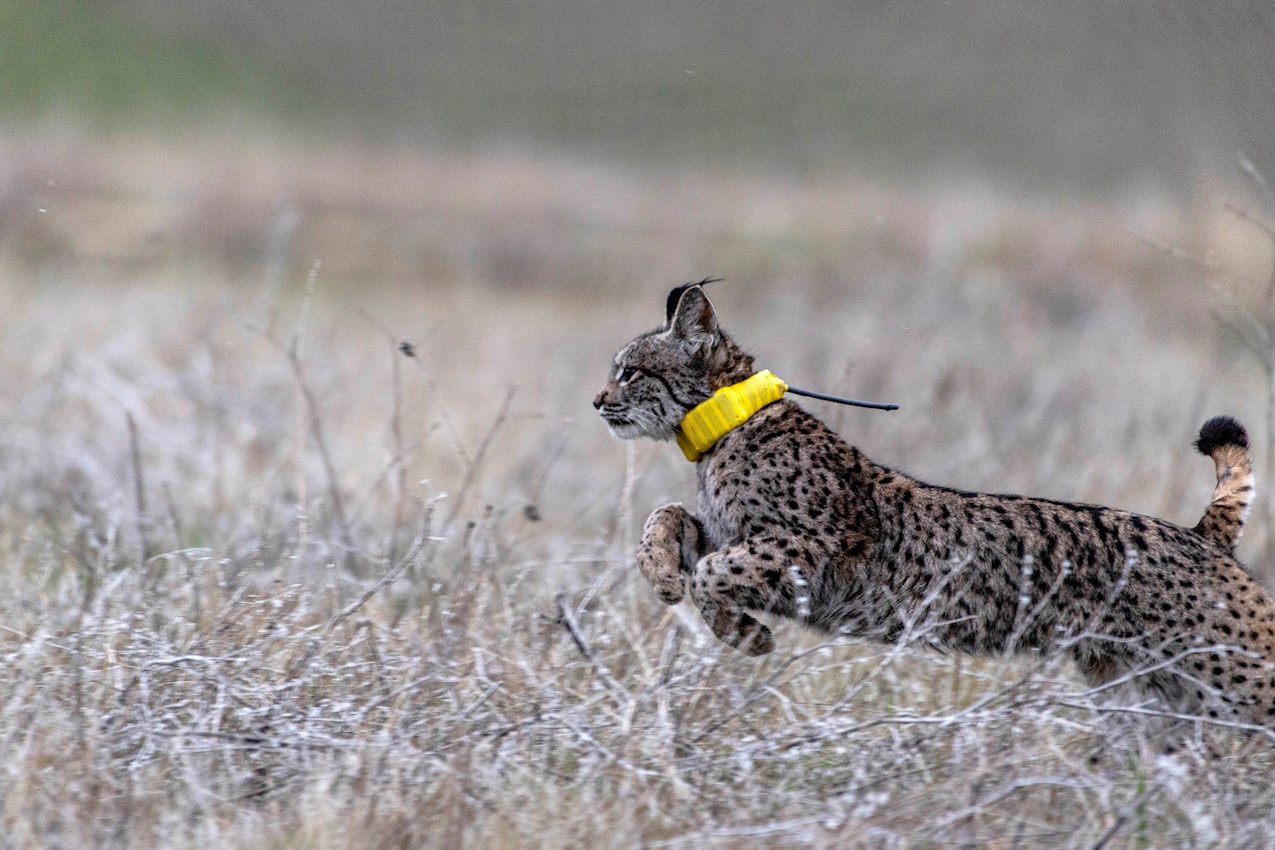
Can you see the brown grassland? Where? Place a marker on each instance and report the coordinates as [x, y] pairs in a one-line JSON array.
[[270, 582]]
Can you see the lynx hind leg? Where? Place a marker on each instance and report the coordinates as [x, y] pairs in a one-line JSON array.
[[1173, 694], [671, 543], [756, 574]]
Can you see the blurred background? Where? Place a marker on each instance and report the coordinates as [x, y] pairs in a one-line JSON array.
[[1013, 218], [1045, 97], [297, 293]]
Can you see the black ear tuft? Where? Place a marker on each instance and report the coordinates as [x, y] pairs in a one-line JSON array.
[[1221, 431], [670, 305]]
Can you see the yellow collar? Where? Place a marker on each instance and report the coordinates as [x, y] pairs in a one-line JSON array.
[[725, 410]]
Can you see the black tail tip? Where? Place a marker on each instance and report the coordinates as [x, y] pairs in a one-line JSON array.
[[1221, 431]]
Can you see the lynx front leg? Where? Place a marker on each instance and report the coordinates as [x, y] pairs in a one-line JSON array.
[[671, 544], [756, 574]]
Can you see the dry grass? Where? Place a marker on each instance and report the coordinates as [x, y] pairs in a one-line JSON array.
[[208, 657]]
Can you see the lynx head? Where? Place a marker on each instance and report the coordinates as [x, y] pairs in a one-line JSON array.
[[662, 374]]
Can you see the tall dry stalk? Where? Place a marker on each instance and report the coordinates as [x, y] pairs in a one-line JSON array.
[[1256, 331], [1268, 349]]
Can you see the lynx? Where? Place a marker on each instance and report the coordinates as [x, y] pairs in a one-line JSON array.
[[792, 521]]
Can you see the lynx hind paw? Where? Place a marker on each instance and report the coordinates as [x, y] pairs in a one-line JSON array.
[[741, 631], [756, 640]]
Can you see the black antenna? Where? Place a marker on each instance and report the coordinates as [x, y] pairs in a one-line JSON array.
[[875, 405], [670, 306]]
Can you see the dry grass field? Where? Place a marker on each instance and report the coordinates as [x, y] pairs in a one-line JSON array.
[[271, 582]]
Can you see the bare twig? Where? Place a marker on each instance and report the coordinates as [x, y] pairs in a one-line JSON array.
[[396, 434], [471, 473], [1258, 178], [567, 617], [1211, 266], [1245, 216], [381, 584], [321, 443], [376, 588], [1123, 818], [399, 349], [139, 489]]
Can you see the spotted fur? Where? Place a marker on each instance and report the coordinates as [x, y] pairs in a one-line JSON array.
[[792, 521]]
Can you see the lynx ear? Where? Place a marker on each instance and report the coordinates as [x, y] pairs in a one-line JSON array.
[[691, 316], [670, 304]]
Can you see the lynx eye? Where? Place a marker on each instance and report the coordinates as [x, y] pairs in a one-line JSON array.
[[627, 374]]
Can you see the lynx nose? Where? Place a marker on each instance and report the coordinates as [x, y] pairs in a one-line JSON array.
[[599, 400]]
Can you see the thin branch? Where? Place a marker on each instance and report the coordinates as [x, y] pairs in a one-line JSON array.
[[320, 441], [1210, 266], [380, 585], [1258, 178], [399, 348], [1245, 216], [471, 474], [376, 588], [139, 487], [1123, 818], [567, 618]]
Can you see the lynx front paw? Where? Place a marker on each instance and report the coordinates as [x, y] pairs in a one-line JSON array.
[[659, 555], [665, 578]]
